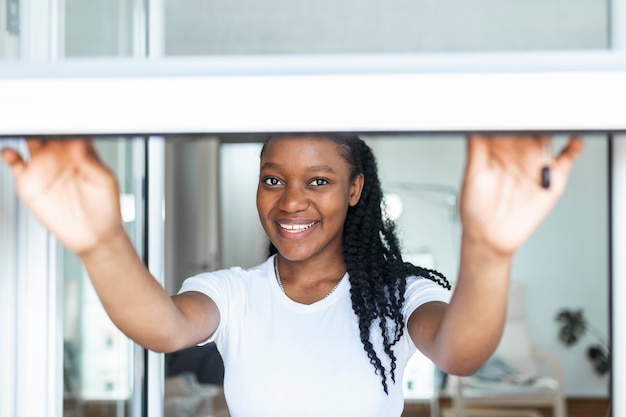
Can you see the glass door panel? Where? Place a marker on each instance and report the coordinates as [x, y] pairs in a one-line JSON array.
[[100, 363]]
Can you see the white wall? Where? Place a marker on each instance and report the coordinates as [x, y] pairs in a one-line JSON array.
[[426, 224], [244, 242], [565, 264], [192, 209]]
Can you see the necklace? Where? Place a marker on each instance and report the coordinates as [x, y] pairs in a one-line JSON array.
[[280, 283]]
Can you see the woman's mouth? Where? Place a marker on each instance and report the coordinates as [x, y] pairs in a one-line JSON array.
[[296, 228]]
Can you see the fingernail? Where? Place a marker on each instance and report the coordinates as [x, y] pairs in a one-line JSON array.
[[545, 177]]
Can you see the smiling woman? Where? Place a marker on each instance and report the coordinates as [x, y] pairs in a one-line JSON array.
[[385, 306]]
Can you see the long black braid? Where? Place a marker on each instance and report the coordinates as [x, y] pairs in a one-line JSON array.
[[373, 259]]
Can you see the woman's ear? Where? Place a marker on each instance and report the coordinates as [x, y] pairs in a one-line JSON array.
[[355, 190]]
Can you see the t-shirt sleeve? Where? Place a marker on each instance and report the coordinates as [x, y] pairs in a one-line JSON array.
[[421, 291], [223, 287]]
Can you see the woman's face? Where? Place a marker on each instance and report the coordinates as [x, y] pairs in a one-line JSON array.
[[303, 196]]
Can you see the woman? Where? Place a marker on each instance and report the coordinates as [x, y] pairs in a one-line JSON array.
[[327, 323]]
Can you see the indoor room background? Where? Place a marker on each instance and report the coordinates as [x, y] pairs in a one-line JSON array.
[[208, 205]]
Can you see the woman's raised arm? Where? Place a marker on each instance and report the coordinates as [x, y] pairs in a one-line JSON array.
[[502, 203], [75, 196]]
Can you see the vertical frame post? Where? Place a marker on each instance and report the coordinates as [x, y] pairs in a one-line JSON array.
[[8, 289], [155, 178], [617, 36], [618, 267]]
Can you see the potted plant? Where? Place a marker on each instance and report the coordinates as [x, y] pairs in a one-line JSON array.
[[572, 327]]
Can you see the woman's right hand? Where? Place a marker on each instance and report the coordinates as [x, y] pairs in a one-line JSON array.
[[66, 186]]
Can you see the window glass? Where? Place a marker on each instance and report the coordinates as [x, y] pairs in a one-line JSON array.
[[194, 27], [99, 361], [101, 28], [10, 35]]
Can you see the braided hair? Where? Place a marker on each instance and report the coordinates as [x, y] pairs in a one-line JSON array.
[[374, 263]]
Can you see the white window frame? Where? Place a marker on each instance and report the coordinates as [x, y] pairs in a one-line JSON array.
[[554, 92]]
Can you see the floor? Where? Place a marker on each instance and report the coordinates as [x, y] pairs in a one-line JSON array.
[[576, 407]]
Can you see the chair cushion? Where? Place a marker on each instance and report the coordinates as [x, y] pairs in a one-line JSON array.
[[497, 369], [181, 406], [516, 347], [517, 350], [184, 385], [475, 387]]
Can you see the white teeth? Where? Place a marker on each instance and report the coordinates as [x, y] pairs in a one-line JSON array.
[[295, 228]]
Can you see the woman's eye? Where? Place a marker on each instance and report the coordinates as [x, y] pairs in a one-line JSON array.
[[319, 181], [271, 181]]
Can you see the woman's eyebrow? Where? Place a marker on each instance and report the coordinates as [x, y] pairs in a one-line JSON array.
[[312, 168], [323, 168], [270, 165]]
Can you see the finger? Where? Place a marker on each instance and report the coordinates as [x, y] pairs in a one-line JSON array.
[[34, 145], [537, 158], [526, 152], [565, 160], [91, 149], [64, 147], [485, 150], [477, 150], [533, 149], [83, 150], [14, 161], [512, 143]]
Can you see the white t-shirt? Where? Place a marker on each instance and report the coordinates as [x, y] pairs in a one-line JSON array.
[[286, 359]]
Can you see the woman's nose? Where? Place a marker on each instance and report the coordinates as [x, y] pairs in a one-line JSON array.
[[293, 199]]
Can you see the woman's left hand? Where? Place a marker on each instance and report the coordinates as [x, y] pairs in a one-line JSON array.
[[502, 199]]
